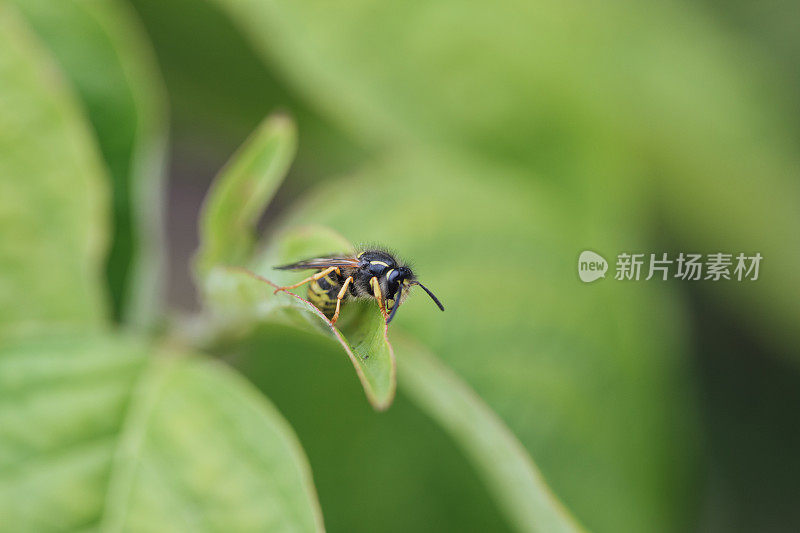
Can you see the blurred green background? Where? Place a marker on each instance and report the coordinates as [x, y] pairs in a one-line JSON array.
[[490, 145]]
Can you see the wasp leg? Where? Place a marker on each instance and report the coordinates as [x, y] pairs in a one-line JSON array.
[[376, 290], [339, 297], [318, 275]]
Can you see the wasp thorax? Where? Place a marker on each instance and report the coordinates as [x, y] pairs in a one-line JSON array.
[[376, 263]]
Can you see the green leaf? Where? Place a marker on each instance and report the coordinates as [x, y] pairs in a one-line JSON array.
[[106, 57], [241, 192], [501, 460], [239, 298], [52, 191], [102, 430]]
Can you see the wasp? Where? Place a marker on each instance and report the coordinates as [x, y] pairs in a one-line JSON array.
[[372, 274]]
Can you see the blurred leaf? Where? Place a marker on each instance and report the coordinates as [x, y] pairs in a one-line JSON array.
[[524, 82], [237, 299], [241, 192], [95, 430], [591, 378], [502, 461], [52, 191], [219, 91], [720, 164], [106, 56], [769, 28], [535, 84], [743, 204]]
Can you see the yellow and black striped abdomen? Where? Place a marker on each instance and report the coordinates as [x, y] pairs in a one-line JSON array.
[[322, 293]]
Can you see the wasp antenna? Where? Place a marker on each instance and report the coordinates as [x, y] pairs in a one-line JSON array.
[[396, 304], [433, 296]]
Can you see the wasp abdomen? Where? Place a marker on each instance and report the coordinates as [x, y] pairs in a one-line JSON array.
[[322, 293]]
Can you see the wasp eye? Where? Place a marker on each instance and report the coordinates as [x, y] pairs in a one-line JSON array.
[[393, 276]]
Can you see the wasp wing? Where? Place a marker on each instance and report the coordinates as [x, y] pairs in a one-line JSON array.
[[320, 263]]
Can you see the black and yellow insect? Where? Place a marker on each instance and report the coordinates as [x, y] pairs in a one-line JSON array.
[[373, 274]]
